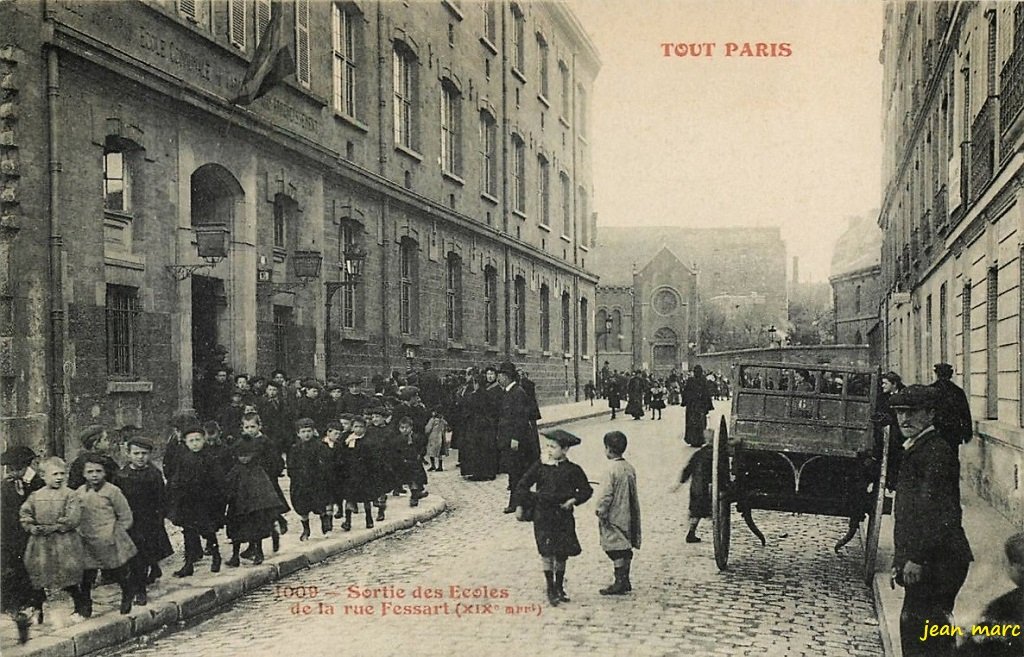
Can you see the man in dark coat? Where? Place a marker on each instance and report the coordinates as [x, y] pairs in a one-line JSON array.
[[697, 399], [429, 387], [275, 417], [354, 401], [531, 393], [953, 414], [932, 554], [16, 590], [516, 433]]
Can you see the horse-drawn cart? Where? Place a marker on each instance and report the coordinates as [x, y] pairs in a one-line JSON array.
[[801, 439]]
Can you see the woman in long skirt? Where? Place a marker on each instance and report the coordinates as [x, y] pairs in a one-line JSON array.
[[697, 400]]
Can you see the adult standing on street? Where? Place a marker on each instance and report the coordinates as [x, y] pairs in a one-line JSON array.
[[430, 386], [932, 554], [635, 396], [696, 397], [516, 430], [953, 413], [612, 390]]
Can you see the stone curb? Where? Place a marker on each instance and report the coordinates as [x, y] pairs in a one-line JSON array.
[[587, 416], [112, 629], [889, 646]]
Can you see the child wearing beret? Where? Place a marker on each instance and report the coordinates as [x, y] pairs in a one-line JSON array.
[[561, 485]]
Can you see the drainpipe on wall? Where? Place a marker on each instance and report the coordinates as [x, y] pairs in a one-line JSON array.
[[382, 160], [504, 183], [58, 375]]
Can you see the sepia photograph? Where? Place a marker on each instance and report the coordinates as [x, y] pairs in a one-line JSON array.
[[581, 328]]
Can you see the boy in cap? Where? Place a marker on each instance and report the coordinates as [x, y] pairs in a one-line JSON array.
[[94, 438], [196, 500], [561, 486], [932, 554], [308, 470], [143, 486], [618, 513], [16, 590]]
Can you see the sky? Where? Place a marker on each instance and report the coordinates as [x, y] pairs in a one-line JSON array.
[[703, 141]]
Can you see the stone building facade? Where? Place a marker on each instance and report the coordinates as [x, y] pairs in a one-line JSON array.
[[952, 217], [446, 141], [654, 321], [855, 278]]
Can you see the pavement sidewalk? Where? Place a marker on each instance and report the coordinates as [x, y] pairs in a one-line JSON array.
[[173, 600], [987, 531]]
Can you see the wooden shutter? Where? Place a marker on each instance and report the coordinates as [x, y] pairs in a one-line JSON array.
[[302, 42], [262, 18], [187, 8], [236, 23]]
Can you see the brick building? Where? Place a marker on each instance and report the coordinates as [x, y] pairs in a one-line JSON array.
[[855, 277], [443, 145], [951, 216]]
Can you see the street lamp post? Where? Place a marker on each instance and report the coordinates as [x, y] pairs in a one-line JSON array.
[[771, 335], [352, 266]]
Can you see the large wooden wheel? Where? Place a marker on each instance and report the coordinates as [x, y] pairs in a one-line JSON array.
[[875, 514], [720, 504]]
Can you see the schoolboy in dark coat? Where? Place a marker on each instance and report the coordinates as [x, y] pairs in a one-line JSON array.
[[561, 486], [143, 486], [410, 447], [364, 479], [252, 503], [383, 465], [267, 456], [308, 471], [196, 500]]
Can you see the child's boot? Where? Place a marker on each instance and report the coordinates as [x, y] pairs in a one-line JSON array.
[[553, 598], [154, 574], [326, 524], [433, 464], [619, 586], [347, 525], [185, 571], [440, 464], [305, 530], [625, 575], [141, 598], [214, 558], [380, 514], [258, 558], [369, 516], [560, 587], [275, 542], [126, 598], [234, 561]]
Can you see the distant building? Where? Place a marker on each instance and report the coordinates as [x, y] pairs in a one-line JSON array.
[[855, 278], [653, 321], [442, 146], [951, 215]]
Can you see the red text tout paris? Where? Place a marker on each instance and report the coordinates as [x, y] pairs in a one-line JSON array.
[[729, 49]]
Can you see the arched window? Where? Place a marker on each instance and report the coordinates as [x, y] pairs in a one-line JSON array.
[[519, 312], [453, 296], [490, 305], [566, 325], [545, 318], [408, 292]]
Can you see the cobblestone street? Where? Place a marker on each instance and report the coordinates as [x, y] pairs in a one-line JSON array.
[[794, 597]]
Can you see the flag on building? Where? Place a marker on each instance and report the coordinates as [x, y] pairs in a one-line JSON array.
[[273, 62]]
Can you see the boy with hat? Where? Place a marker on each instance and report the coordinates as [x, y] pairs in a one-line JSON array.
[[308, 470], [932, 554], [16, 590], [94, 438], [618, 513], [195, 499], [561, 486], [143, 486]]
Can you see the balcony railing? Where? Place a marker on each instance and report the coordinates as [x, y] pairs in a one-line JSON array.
[[983, 148]]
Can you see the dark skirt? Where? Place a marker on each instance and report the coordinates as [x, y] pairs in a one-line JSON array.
[[696, 423], [554, 529], [479, 451], [658, 403], [254, 526], [634, 407]]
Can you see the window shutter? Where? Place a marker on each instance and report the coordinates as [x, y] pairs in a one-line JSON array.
[[187, 8], [262, 18], [302, 41], [236, 20]]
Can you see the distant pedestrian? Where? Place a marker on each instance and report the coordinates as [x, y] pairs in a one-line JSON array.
[[698, 473], [618, 513], [658, 392], [697, 399], [410, 446], [561, 485], [635, 396], [436, 429], [953, 413], [931, 555], [53, 552], [613, 390]]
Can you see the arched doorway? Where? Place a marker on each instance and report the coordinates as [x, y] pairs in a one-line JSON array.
[[214, 195], [664, 352]]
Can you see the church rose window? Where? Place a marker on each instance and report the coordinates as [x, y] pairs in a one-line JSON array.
[[666, 301]]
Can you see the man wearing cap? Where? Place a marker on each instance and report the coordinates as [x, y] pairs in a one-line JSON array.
[[953, 414], [16, 590], [516, 433], [932, 554]]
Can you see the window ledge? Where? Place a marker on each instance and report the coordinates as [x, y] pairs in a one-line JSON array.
[[126, 261], [411, 341], [354, 335], [454, 345], [545, 354], [115, 387], [583, 138], [521, 352], [519, 213], [452, 8], [585, 357], [567, 355], [351, 120], [518, 74], [487, 197], [563, 121], [544, 100], [491, 348], [584, 247], [544, 227], [405, 150], [566, 238], [490, 46], [120, 215], [455, 178]]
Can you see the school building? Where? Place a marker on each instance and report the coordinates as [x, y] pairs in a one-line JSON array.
[[952, 217], [419, 189]]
